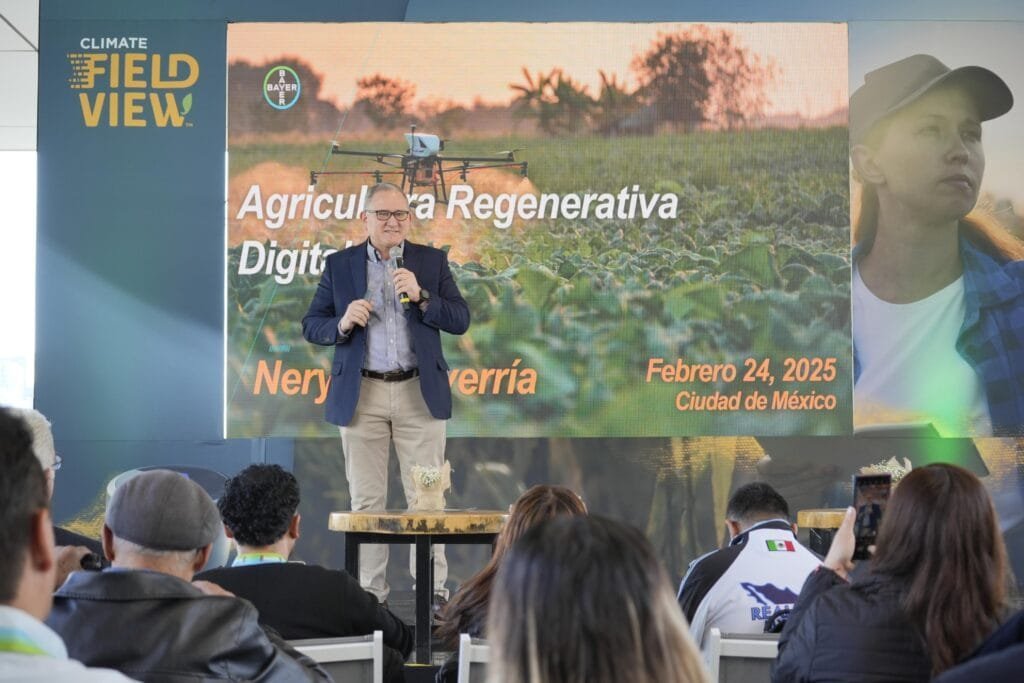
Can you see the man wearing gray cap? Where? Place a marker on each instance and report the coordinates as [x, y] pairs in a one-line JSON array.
[[144, 617]]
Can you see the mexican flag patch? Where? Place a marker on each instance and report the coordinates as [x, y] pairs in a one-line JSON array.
[[781, 546]]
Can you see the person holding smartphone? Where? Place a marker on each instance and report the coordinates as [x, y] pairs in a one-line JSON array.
[[933, 590], [870, 494]]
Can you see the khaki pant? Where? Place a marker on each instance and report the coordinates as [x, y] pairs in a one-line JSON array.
[[386, 412]]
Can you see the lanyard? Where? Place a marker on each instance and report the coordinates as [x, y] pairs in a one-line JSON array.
[[16, 640], [246, 559]]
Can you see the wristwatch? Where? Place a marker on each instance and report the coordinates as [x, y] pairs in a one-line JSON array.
[[424, 296]]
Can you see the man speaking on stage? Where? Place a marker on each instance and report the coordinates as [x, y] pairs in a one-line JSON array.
[[381, 305]]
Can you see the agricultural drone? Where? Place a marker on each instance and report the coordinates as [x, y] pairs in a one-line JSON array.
[[422, 164]]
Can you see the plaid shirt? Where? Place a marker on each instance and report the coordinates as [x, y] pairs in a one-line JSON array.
[[991, 338]]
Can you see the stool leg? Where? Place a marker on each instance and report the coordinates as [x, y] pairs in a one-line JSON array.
[[820, 540], [424, 592], [352, 555]]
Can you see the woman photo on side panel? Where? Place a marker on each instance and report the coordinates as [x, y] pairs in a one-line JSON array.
[[938, 286]]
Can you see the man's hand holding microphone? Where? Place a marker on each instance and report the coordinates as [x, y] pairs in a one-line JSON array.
[[406, 284]]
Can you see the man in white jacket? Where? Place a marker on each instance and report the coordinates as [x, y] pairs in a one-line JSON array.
[[738, 588], [30, 650]]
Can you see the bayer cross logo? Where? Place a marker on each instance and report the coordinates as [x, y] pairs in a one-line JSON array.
[[281, 87]]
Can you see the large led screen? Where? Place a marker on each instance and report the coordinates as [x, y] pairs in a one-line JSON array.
[[649, 222]]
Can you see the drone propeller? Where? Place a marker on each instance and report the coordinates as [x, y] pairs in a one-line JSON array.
[[423, 165], [509, 154]]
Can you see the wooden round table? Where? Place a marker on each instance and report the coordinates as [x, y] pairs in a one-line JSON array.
[[423, 529]]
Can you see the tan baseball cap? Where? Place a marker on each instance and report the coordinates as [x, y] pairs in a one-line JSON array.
[[894, 86]]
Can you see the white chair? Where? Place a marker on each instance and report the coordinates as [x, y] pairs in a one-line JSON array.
[[357, 659], [474, 654], [741, 657]]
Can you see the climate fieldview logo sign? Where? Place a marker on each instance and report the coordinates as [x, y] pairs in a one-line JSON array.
[[121, 83]]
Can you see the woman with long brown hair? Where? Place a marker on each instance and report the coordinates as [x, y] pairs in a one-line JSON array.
[[938, 287], [585, 600], [467, 610], [934, 589]]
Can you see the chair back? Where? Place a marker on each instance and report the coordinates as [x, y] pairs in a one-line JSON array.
[[741, 657], [356, 659], [474, 653]]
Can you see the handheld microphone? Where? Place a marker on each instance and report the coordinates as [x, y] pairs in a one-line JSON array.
[[396, 254]]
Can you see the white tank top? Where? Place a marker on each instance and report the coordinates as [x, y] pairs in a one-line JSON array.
[[910, 369]]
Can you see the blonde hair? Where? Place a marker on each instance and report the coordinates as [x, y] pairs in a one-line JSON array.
[[467, 611], [979, 226], [583, 599]]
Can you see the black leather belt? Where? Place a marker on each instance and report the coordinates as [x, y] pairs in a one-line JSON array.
[[393, 375]]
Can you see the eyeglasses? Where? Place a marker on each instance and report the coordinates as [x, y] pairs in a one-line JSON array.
[[57, 462], [384, 214]]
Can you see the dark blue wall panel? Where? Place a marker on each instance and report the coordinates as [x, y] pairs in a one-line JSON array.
[[130, 255]]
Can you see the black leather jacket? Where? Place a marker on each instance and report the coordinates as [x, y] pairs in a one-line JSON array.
[[157, 628]]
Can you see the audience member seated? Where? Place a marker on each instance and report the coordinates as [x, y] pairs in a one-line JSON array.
[[29, 650], [143, 617], [466, 612], [585, 599], [738, 588], [259, 510], [71, 546], [932, 591], [997, 660]]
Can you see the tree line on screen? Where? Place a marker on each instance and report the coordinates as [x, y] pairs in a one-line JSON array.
[[686, 79], [693, 78], [756, 264]]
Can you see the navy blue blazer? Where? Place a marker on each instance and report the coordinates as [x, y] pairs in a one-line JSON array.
[[343, 281]]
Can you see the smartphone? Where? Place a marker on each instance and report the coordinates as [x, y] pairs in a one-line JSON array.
[[870, 496]]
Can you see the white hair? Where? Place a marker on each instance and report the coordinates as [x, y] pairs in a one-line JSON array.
[[42, 435], [180, 558]]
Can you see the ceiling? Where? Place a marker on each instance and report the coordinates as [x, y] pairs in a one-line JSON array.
[[19, 67]]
